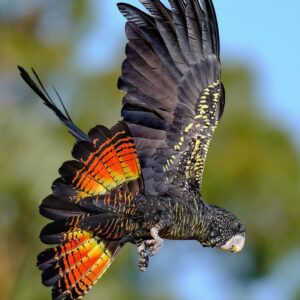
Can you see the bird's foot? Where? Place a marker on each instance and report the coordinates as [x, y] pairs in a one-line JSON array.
[[153, 246], [149, 248], [143, 257]]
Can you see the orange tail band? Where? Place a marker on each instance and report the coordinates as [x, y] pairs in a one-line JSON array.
[[75, 266]]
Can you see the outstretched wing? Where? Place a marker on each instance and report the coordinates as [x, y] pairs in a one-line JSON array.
[[174, 98]]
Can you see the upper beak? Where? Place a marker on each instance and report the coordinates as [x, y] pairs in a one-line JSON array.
[[235, 244]]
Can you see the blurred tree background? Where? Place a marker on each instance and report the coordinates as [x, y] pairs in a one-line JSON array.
[[253, 170]]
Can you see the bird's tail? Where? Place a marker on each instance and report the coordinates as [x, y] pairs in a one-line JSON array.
[[63, 115], [91, 204], [77, 263], [91, 208]]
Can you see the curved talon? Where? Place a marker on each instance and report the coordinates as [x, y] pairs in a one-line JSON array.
[[153, 247]]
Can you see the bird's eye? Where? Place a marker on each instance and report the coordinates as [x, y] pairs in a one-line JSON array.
[[238, 227]]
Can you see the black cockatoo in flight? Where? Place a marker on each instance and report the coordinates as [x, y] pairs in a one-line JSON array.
[[140, 181]]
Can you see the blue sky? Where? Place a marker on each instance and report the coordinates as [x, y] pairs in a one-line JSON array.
[[263, 34]]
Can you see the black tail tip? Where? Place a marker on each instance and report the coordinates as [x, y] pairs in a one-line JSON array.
[[21, 69]]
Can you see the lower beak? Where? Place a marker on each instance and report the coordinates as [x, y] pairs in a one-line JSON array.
[[235, 244]]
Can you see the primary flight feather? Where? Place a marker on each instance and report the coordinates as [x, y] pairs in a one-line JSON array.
[[140, 181]]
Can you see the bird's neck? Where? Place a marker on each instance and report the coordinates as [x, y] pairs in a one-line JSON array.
[[188, 220], [209, 225], [204, 219]]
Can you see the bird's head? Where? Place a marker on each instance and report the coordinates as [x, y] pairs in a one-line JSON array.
[[222, 229]]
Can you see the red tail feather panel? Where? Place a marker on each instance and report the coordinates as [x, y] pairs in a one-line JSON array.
[[76, 265], [107, 163]]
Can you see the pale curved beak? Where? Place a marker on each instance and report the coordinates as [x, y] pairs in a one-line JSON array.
[[235, 244]]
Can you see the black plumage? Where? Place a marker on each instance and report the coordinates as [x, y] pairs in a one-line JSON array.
[[140, 181], [190, 76]]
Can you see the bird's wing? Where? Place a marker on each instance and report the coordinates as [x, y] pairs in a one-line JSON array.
[[174, 98]]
